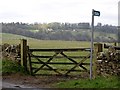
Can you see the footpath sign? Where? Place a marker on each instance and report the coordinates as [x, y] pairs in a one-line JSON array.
[[94, 13]]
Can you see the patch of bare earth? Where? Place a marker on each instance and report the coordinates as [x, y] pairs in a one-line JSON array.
[[37, 81]]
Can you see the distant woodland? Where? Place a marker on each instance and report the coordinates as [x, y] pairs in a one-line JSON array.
[[62, 31]]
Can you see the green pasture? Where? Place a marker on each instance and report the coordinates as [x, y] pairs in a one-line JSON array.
[[99, 82], [34, 43]]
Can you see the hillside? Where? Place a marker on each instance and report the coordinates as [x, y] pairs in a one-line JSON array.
[[62, 31], [9, 36], [13, 38], [36, 43]]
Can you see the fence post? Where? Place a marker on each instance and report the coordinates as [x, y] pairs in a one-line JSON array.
[[98, 47], [24, 53], [115, 44]]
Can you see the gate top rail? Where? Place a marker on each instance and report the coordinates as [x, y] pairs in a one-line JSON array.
[[63, 49]]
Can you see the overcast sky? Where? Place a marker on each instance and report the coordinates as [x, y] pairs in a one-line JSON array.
[[45, 11]]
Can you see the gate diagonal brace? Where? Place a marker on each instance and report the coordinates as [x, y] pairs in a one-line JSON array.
[[45, 63], [72, 60], [78, 64], [68, 58]]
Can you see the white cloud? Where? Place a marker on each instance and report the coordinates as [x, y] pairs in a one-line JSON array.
[[58, 10]]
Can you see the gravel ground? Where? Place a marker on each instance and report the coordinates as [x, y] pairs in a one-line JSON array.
[[25, 81]]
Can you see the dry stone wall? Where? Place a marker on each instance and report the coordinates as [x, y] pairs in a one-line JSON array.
[[10, 52], [108, 63]]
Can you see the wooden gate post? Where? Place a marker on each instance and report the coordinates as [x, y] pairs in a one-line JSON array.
[[98, 47], [24, 53]]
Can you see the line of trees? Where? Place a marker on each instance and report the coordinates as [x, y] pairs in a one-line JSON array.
[[53, 26], [57, 31]]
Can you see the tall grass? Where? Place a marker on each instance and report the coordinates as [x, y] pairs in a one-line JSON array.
[[9, 67], [99, 82]]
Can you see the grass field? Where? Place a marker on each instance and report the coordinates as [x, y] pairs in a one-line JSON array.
[[100, 82], [35, 43]]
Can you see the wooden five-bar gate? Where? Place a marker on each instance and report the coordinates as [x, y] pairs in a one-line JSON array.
[[59, 61], [57, 54]]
